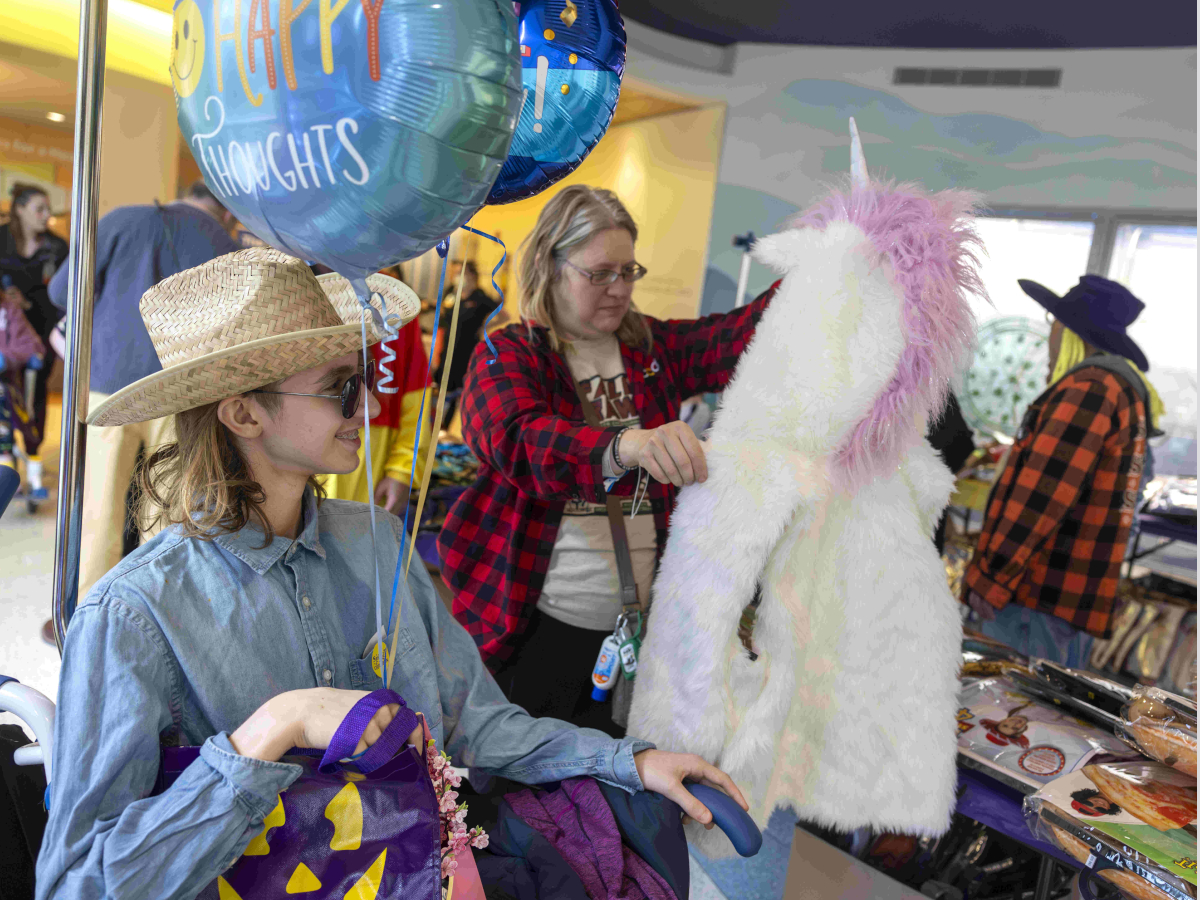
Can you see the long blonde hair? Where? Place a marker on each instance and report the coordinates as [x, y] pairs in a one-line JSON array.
[[1073, 350], [200, 481], [568, 221]]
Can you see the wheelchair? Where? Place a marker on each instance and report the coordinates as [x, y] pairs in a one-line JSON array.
[[26, 775]]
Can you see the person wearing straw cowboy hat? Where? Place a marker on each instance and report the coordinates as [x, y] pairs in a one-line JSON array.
[[247, 624], [1045, 572]]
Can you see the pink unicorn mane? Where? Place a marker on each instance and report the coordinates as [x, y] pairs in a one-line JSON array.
[[929, 240]]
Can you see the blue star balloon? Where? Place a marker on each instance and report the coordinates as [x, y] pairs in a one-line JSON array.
[[572, 59], [354, 134]]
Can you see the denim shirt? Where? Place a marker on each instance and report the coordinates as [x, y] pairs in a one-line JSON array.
[[193, 636]]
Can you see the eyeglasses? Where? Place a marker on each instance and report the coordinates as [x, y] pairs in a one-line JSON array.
[[600, 277], [349, 393]]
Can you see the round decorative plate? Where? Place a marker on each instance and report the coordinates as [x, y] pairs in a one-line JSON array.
[[1009, 372]]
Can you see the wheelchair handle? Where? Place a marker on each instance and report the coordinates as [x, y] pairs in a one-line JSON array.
[[730, 818], [35, 709]]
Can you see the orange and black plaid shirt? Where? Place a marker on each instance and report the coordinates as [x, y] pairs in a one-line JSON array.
[[1058, 519]]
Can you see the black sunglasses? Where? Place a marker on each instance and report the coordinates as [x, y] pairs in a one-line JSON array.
[[348, 395]]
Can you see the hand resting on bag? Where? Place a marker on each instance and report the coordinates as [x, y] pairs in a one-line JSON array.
[[307, 718]]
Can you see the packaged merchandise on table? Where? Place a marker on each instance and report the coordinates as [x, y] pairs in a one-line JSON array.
[[1172, 498], [1106, 857], [1030, 741], [1103, 693], [1104, 808], [1125, 619], [1180, 674], [983, 657], [1148, 657], [1152, 792], [1163, 726]]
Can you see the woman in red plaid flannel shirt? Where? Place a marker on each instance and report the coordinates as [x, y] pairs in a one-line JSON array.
[[527, 548]]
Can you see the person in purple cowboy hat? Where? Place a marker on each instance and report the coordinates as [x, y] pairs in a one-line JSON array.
[[1045, 572]]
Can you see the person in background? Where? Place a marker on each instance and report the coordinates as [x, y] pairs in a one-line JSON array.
[[30, 254], [19, 344], [394, 429], [527, 549], [1044, 576], [477, 305], [136, 248]]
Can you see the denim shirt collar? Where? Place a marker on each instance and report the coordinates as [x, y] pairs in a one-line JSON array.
[[246, 544]]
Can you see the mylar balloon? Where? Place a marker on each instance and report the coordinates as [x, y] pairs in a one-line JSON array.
[[572, 59], [356, 135]]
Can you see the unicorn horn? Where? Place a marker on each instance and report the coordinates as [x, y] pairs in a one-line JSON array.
[[858, 164]]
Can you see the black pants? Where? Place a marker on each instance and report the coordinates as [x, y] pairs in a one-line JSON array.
[[550, 674]]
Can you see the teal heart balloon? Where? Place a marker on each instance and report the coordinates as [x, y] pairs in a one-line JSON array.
[[352, 134]]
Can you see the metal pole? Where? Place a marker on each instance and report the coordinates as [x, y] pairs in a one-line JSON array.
[[81, 277], [745, 241]]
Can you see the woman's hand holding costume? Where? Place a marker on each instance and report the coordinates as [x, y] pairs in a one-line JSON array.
[[665, 773], [307, 718], [671, 453]]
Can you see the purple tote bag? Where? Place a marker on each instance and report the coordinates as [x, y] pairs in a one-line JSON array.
[[366, 830]]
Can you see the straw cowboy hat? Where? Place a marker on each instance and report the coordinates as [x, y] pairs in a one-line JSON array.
[[241, 321]]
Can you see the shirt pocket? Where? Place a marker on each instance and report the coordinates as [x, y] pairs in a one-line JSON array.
[[363, 677], [362, 674]]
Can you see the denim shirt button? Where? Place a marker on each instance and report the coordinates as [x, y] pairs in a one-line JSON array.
[[327, 675], [307, 603]]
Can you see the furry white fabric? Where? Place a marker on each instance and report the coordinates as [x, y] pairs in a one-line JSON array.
[[847, 715]]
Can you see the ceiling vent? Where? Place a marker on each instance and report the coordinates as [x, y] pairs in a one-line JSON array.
[[1029, 78]]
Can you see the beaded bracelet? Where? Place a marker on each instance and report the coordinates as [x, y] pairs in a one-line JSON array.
[[616, 454]]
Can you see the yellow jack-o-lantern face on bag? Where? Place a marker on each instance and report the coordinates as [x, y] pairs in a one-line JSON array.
[[187, 48]]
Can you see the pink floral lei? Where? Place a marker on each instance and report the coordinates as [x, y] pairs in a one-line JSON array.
[[455, 837]]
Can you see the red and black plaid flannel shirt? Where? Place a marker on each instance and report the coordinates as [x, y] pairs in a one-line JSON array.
[[1058, 519], [523, 420]]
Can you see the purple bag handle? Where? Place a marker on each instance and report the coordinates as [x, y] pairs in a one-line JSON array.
[[350, 732]]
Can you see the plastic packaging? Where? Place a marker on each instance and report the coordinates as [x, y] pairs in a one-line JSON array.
[[1026, 740], [1148, 657], [607, 668], [1163, 726], [1152, 792], [985, 658], [1134, 873]]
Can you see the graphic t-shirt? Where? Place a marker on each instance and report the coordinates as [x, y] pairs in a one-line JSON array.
[[582, 586]]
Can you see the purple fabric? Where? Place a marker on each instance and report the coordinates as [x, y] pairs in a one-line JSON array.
[[577, 821]]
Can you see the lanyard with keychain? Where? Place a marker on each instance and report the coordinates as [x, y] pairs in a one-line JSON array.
[[619, 652]]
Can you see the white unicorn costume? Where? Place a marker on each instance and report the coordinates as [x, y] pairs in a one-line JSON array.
[[823, 492]]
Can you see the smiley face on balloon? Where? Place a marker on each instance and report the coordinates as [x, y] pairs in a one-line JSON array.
[[187, 48]]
